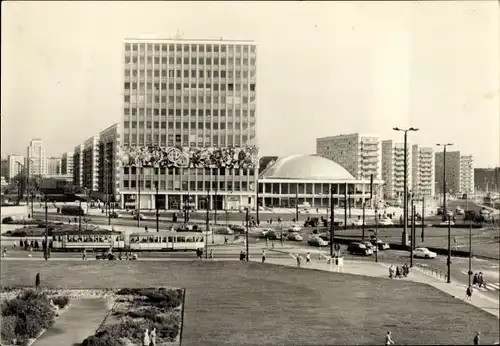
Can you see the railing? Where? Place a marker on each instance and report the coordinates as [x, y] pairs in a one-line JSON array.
[[432, 271]]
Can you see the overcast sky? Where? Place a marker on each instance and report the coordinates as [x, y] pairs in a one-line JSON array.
[[324, 68]]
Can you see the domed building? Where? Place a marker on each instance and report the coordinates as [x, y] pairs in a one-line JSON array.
[[309, 179]]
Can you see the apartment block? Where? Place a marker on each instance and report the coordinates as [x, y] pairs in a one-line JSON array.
[[110, 163], [36, 159], [91, 159], [393, 157], [453, 168], [422, 165], [67, 163], [78, 165], [359, 154], [15, 166], [189, 114], [487, 179], [467, 174]]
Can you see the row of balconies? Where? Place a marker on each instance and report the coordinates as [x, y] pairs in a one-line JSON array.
[[189, 54]]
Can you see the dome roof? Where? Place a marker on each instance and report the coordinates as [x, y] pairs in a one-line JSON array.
[[306, 167]]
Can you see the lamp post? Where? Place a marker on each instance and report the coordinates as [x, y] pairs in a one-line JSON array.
[[445, 212], [405, 179], [470, 243], [423, 218], [376, 223], [156, 207], [207, 225], [106, 184], [246, 235], [345, 207], [46, 252], [332, 222], [363, 223], [215, 199], [139, 183], [297, 204]]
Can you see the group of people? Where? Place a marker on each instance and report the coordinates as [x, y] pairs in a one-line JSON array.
[[149, 337], [478, 280], [199, 253], [399, 272]]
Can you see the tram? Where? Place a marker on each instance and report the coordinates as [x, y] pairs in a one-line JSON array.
[[166, 241], [89, 240]]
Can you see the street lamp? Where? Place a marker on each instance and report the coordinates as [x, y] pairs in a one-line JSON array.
[[405, 179], [376, 221], [106, 187], [445, 212]]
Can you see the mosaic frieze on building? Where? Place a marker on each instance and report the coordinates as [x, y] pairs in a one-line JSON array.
[[189, 157]]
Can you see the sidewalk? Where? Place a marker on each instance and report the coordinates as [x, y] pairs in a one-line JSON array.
[[381, 270]]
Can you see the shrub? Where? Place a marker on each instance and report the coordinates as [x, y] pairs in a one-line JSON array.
[[8, 332], [60, 301], [7, 220], [102, 339], [32, 313]]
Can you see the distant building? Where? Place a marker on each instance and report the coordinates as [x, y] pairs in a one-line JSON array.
[[467, 174], [359, 154], [90, 168], [487, 179], [16, 165], [453, 166], [53, 166], [78, 166], [36, 160], [67, 163], [423, 171], [393, 157], [109, 163], [4, 169]]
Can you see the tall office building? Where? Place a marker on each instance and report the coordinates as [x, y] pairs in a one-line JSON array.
[[467, 174], [487, 179], [453, 166], [359, 154], [393, 157], [67, 163], [16, 164], [36, 160], [90, 165], [422, 165], [189, 111], [109, 163], [53, 166], [78, 166]]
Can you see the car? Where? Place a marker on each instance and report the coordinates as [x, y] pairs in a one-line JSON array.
[[223, 230], [273, 235], [369, 245], [385, 222], [381, 244], [265, 232], [294, 228], [358, 223], [445, 223], [449, 213], [317, 242], [357, 248], [295, 237], [485, 212], [140, 216], [423, 252], [114, 215]]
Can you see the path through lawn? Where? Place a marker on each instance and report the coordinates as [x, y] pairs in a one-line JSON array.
[[80, 321]]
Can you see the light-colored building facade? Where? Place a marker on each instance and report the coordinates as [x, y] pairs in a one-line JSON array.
[[189, 118], [453, 167], [36, 159], [53, 166], [393, 157], [110, 163], [16, 165], [423, 179], [91, 158], [78, 166], [359, 154], [67, 163], [467, 174]]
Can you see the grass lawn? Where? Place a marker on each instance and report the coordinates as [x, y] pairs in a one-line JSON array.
[[233, 303]]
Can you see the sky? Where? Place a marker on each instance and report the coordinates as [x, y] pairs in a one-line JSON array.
[[323, 68]]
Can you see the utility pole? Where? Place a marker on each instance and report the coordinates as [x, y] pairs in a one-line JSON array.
[[246, 239], [349, 204], [423, 217], [215, 200], [46, 231], [470, 244], [207, 223], [297, 204], [376, 232], [363, 224], [448, 261], [345, 207], [156, 207], [445, 212], [332, 221], [139, 183], [79, 214]]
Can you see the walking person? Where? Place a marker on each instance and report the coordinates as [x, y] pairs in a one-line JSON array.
[[468, 293], [211, 254], [84, 254], [4, 252], [298, 260], [388, 339], [480, 280], [146, 341], [477, 338], [398, 272], [391, 271], [263, 255], [308, 258], [152, 336], [37, 281]]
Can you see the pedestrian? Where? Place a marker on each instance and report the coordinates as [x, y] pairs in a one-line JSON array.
[[468, 293], [267, 240], [480, 279], [388, 339], [146, 341], [37, 281], [4, 252], [298, 260], [477, 338], [242, 255], [398, 272], [152, 336], [475, 279], [263, 255], [84, 254], [211, 254], [391, 271], [308, 258]]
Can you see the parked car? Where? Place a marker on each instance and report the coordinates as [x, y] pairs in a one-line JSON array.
[[381, 244], [265, 231], [446, 223], [294, 228], [238, 229], [223, 230], [114, 215], [369, 245], [485, 212], [295, 237], [423, 252], [272, 235], [318, 242], [385, 222], [358, 223], [359, 249], [140, 216]]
